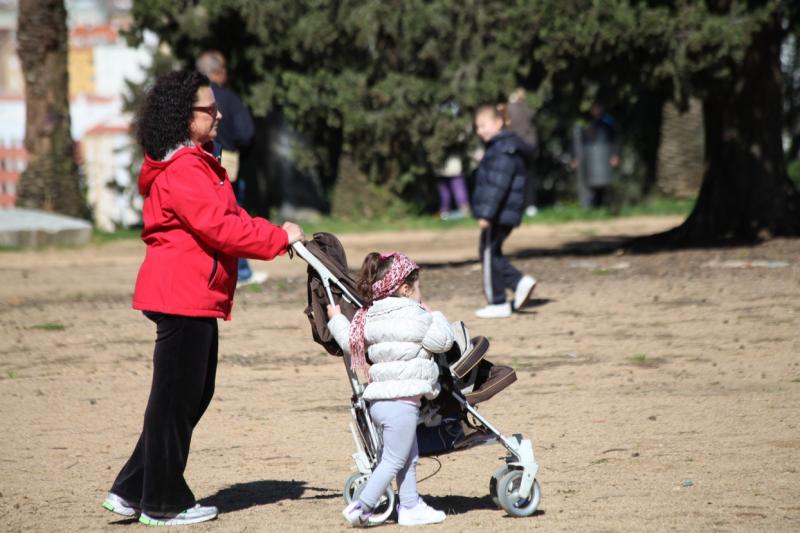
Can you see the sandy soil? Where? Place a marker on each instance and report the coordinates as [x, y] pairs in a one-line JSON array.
[[661, 391]]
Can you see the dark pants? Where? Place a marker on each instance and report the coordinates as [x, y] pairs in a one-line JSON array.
[[184, 368], [498, 273]]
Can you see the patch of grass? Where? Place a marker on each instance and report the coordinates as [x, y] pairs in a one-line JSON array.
[[49, 326], [11, 374], [642, 360], [556, 214], [103, 237], [254, 288]]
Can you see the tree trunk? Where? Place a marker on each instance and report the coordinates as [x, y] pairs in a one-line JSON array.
[[51, 181], [746, 194]]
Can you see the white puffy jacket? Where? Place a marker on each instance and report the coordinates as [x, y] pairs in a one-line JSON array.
[[400, 337]]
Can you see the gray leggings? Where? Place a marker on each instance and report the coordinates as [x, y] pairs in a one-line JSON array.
[[398, 421]]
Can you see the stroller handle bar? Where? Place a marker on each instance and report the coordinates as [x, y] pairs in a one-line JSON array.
[[325, 274]]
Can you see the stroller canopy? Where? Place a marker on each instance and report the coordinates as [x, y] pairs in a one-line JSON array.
[[330, 252]]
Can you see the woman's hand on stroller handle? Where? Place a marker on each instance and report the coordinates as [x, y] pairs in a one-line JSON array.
[[294, 232], [333, 310]]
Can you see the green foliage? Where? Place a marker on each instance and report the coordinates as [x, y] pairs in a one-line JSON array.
[[395, 81], [391, 85]]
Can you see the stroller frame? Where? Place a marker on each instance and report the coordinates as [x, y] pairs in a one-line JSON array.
[[513, 486]]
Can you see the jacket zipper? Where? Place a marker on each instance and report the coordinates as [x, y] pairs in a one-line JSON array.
[[213, 269]]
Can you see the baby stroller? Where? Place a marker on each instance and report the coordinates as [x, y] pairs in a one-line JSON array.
[[448, 424]]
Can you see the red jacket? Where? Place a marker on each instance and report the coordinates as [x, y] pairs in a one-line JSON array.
[[194, 232]]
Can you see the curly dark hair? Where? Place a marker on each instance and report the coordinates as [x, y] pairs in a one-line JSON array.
[[163, 120]]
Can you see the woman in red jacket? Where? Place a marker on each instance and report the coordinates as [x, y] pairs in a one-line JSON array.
[[194, 231]]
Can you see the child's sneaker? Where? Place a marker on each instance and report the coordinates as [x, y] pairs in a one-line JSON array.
[[419, 515], [523, 292], [356, 515], [192, 515], [121, 506], [494, 311]]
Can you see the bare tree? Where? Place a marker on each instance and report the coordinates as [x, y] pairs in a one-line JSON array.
[[51, 182]]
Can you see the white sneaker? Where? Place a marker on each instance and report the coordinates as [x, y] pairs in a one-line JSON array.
[[355, 514], [256, 279], [523, 292], [494, 311], [121, 506], [419, 515], [192, 515]]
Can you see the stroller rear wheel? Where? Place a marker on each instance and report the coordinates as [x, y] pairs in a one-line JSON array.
[[508, 494]]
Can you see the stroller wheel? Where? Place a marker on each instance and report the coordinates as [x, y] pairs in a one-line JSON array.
[[498, 474], [385, 507], [353, 486], [508, 494]]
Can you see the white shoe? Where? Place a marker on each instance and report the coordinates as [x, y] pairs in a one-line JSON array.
[[355, 514], [256, 278], [523, 292], [419, 515], [121, 506], [192, 515], [494, 311]]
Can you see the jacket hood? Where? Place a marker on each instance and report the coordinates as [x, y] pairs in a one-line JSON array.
[[509, 142], [151, 168]]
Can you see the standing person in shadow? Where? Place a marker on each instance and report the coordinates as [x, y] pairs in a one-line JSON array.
[[235, 133], [520, 121], [595, 157]]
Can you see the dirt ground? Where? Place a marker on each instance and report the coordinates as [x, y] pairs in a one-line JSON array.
[[661, 391]]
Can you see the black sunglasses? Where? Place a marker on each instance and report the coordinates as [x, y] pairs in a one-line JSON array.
[[210, 109]]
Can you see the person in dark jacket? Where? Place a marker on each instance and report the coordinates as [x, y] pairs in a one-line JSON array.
[[498, 204], [193, 231], [234, 134]]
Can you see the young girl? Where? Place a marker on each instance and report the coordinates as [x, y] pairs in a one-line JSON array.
[[498, 204], [400, 335]]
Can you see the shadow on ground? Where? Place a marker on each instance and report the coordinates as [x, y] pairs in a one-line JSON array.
[[455, 504], [254, 493], [584, 248]]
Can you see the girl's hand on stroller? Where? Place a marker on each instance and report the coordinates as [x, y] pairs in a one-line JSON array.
[[333, 310], [294, 232], [483, 223]]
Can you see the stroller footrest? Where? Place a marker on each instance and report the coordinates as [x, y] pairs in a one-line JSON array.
[[500, 377]]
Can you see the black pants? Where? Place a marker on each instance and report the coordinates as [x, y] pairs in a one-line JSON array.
[[184, 369], [498, 273]]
